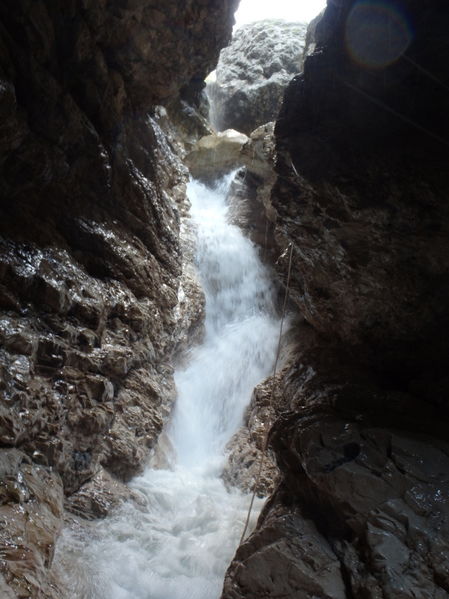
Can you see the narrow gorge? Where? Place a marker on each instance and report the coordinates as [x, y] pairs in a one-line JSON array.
[[141, 310]]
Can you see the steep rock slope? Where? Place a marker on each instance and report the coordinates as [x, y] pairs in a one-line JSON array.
[[362, 141], [253, 72], [90, 262]]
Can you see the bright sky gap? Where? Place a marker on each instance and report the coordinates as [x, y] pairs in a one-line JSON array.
[[289, 10]]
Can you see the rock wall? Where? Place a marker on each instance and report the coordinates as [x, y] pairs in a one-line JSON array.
[[361, 440], [91, 195]]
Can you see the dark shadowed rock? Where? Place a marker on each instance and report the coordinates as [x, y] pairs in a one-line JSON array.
[[363, 476], [361, 439]]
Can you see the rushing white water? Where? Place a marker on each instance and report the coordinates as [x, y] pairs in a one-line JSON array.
[[179, 541]]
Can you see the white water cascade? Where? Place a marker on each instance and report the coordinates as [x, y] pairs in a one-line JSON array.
[[179, 542]]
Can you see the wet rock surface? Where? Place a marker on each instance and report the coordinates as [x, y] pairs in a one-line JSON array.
[[31, 507], [286, 558], [250, 467], [253, 72], [99, 496], [191, 309], [361, 438], [92, 191], [362, 506]]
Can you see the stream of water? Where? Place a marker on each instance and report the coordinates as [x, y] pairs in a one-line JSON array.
[[179, 542]]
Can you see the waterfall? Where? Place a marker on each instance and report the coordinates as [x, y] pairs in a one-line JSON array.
[[213, 97], [177, 542]]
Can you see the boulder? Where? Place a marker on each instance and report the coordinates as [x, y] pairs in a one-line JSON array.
[[253, 72], [215, 155]]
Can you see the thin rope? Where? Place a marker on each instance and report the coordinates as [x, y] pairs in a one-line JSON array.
[[278, 353], [265, 241]]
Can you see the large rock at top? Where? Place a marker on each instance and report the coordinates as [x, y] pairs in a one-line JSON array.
[[253, 72]]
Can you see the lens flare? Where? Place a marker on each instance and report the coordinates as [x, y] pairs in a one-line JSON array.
[[377, 33]]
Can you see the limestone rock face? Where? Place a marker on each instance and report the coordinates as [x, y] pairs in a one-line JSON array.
[[215, 155], [361, 439], [253, 72], [92, 190]]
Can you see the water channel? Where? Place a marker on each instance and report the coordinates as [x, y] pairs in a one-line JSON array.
[[179, 541]]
